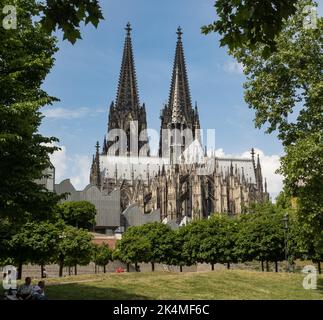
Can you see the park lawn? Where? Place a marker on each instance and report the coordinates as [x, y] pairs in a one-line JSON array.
[[226, 284]]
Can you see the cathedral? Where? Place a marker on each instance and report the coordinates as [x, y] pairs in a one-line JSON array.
[[183, 181]]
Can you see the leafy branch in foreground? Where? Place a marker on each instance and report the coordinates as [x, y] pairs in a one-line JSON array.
[[248, 23]]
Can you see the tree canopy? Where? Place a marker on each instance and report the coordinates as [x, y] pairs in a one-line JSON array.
[[286, 92], [249, 23], [80, 214], [102, 254], [73, 247]]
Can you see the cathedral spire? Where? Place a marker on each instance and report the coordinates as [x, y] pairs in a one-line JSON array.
[[127, 108], [127, 95], [179, 84], [177, 112], [95, 175]]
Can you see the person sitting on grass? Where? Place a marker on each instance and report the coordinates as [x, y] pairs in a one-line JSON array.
[[25, 290], [38, 292]]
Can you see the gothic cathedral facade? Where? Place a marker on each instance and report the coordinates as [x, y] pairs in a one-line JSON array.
[[168, 182]]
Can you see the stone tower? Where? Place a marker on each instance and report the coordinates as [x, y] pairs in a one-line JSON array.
[[178, 112], [126, 113]]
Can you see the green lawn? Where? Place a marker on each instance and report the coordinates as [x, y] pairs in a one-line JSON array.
[[229, 284]]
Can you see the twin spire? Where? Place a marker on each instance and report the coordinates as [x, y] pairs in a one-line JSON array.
[[127, 95], [179, 83], [127, 108]]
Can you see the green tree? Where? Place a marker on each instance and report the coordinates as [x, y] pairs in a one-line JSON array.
[[36, 243], [67, 16], [26, 56], [180, 255], [190, 238], [290, 81], [248, 23], [62, 15], [74, 248], [219, 240], [160, 238], [134, 247], [80, 214], [102, 254], [261, 235]]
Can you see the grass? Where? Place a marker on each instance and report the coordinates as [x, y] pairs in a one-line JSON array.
[[226, 284]]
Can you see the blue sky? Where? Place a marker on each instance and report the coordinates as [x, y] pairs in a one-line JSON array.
[[85, 79]]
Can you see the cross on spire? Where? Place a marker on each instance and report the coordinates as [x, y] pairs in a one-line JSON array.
[[97, 147], [179, 32], [128, 29]]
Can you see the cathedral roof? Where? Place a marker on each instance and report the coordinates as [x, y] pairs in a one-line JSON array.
[[137, 168]]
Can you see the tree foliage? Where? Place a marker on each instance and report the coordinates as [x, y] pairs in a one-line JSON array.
[[289, 80], [26, 56], [134, 247], [74, 247], [219, 240], [67, 16], [248, 23], [35, 243], [261, 235], [286, 91], [160, 238], [102, 254], [80, 214]]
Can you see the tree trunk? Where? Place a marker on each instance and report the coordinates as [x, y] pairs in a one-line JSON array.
[[104, 269], [75, 269], [276, 266], [262, 266], [69, 271], [212, 266], [181, 268], [152, 266], [95, 269], [319, 267], [60, 273], [128, 267], [19, 271], [228, 265], [267, 266], [136, 266]]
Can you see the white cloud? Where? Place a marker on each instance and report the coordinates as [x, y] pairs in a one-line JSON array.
[[233, 67], [269, 165], [80, 178], [59, 161], [75, 167], [63, 113]]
